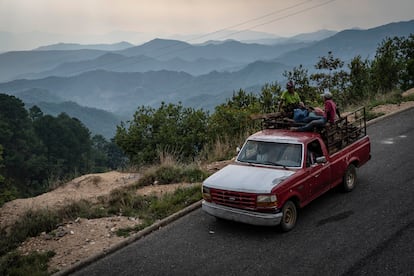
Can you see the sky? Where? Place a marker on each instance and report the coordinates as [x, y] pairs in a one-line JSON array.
[[137, 21]]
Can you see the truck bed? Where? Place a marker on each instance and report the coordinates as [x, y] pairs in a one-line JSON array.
[[345, 131]]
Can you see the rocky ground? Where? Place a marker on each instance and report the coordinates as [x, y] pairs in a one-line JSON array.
[[79, 239]]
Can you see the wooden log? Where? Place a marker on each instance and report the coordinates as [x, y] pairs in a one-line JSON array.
[[266, 116]]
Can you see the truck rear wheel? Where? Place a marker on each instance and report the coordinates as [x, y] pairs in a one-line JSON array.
[[290, 214], [350, 178]]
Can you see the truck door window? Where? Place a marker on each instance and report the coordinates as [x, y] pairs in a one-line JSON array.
[[314, 151]]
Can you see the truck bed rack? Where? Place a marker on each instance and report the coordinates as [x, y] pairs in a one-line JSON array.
[[346, 130]]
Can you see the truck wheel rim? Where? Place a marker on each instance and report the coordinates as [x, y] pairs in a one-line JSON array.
[[289, 217], [350, 180]]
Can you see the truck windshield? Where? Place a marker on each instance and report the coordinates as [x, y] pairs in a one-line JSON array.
[[271, 153]]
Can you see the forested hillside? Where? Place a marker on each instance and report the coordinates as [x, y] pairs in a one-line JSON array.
[[40, 151]]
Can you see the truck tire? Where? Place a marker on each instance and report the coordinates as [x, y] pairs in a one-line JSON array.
[[350, 178], [290, 215]]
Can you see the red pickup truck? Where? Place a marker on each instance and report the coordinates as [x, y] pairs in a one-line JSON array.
[[278, 171]]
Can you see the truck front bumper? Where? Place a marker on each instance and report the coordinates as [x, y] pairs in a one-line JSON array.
[[243, 216]]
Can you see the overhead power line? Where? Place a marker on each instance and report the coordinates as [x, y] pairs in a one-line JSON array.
[[251, 20]]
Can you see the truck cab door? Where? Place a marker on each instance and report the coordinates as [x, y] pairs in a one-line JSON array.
[[318, 170]]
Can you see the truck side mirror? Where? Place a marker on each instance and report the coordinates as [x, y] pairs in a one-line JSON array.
[[238, 149], [321, 160]]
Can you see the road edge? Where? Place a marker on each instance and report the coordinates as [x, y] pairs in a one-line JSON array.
[[159, 224], [375, 120]]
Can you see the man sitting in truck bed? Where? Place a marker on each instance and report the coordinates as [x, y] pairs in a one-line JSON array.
[[289, 100], [329, 115]]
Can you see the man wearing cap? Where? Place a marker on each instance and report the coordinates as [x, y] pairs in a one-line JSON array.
[[289, 99], [328, 116], [330, 107]]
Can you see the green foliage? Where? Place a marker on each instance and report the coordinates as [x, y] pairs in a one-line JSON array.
[[100, 157], [30, 225], [193, 174], [360, 80], [126, 202], [21, 147], [8, 192], [406, 57], [169, 128], [330, 75], [408, 98], [223, 148], [233, 118], [67, 145], [171, 203], [35, 264], [105, 155], [38, 150], [82, 208], [156, 208], [372, 115], [393, 65], [35, 113], [386, 66], [167, 174], [268, 99]]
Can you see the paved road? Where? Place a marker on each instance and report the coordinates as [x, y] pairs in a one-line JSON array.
[[369, 231]]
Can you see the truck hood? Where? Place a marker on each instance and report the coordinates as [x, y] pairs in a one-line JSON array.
[[249, 179]]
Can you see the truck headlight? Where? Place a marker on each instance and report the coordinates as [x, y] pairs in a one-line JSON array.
[[266, 201], [206, 193]]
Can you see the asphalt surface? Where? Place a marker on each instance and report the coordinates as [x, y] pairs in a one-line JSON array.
[[369, 231]]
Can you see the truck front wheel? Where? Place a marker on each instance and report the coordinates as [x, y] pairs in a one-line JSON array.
[[350, 178], [289, 217]]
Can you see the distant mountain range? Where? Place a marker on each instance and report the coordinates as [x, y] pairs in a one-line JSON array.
[[118, 78], [74, 46], [348, 44], [155, 55]]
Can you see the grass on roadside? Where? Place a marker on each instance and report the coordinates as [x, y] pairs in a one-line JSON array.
[[158, 208], [394, 97], [171, 173], [32, 264]]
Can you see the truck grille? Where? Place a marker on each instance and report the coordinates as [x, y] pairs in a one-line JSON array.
[[233, 199]]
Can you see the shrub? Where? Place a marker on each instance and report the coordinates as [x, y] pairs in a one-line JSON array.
[[33, 264], [159, 208], [168, 174], [82, 208], [31, 224]]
